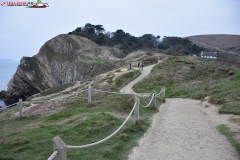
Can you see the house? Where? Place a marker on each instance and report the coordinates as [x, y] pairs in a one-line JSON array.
[[212, 55]]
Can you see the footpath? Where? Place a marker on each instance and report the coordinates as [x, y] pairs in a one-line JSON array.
[[182, 129], [145, 72]]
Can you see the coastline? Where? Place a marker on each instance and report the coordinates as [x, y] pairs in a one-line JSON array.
[[3, 105], [7, 70]]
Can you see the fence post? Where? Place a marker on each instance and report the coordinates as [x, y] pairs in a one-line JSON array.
[[161, 95], [136, 110], [89, 94], [20, 108], [154, 98], [164, 92], [59, 145]]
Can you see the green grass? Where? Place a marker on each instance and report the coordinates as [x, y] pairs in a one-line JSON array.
[[126, 78], [186, 78], [231, 137], [77, 124], [56, 89]]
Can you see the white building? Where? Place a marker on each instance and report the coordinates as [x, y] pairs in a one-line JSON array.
[[212, 55]]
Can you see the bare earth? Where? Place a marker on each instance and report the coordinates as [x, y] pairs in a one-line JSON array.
[[185, 129]]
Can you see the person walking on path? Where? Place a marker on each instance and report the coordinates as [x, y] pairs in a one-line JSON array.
[[139, 65], [130, 65], [142, 66]]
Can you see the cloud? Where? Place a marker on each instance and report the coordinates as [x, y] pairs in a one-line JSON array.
[[24, 30]]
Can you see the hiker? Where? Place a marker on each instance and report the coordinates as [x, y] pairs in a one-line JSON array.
[[142, 66], [139, 65], [130, 65]]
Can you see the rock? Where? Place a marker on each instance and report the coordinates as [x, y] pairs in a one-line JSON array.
[[211, 70], [61, 60], [206, 98], [230, 73], [193, 67], [3, 94]]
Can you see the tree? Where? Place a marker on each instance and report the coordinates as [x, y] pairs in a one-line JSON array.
[[100, 39], [161, 46], [99, 28], [89, 29], [79, 29]]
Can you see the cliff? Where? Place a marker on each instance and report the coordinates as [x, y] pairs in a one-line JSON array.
[[61, 60]]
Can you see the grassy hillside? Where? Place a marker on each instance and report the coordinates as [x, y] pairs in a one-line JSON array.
[[185, 77], [123, 80], [226, 42], [77, 123]]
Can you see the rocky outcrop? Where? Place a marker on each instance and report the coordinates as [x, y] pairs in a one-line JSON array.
[[61, 60], [2, 94]]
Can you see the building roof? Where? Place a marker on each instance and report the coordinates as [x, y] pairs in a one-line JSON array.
[[213, 54]]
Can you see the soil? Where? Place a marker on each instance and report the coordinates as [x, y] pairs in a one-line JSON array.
[[185, 129]]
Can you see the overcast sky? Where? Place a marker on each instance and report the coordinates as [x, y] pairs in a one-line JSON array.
[[24, 30]]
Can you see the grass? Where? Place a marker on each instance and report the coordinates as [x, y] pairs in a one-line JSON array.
[[187, 78], [56, 89], [126, 78], [76, 124], [224, 130]]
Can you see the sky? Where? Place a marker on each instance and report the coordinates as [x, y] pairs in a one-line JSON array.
[[24, 30]]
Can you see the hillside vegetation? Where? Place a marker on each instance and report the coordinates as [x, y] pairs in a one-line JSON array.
[[197, 79], [129, 43], [225, 42], [77, 123]]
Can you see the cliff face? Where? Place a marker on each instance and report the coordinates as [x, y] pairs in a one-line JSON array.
[[63, 59]]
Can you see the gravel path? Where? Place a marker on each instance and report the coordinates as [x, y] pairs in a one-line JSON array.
[[145, 72], [181, 130]]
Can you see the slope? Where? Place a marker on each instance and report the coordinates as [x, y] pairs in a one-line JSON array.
[[228, 43]]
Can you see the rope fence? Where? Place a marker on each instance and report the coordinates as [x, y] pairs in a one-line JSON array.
[[12, 105], [148, 103], [55, 153], [98, 142], [60, 148]]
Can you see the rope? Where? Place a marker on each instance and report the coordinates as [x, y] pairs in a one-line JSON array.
[[53, 155], [12, 105], [98, 142], [106, 91], [148, 103], [118, 92], [159, 92], [82, 91]]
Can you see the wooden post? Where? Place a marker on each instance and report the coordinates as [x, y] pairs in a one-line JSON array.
[[20, 108], [154, 98], [161, 94], [136, 110], [164, 92], [59, 145], [89, 94]]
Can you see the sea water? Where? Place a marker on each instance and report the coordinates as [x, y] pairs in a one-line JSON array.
[[7, 70]]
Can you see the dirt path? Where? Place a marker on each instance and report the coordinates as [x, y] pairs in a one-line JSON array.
[[184, 129], [145, 72]]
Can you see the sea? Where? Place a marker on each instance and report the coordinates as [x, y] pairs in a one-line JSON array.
[[7, 70]]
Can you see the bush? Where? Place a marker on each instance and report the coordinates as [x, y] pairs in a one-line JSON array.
[[152, 59]]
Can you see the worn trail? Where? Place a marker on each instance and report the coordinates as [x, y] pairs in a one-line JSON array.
[[145, 72], [182, 130]]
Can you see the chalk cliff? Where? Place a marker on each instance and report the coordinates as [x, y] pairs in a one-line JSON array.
[[63, 59]]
